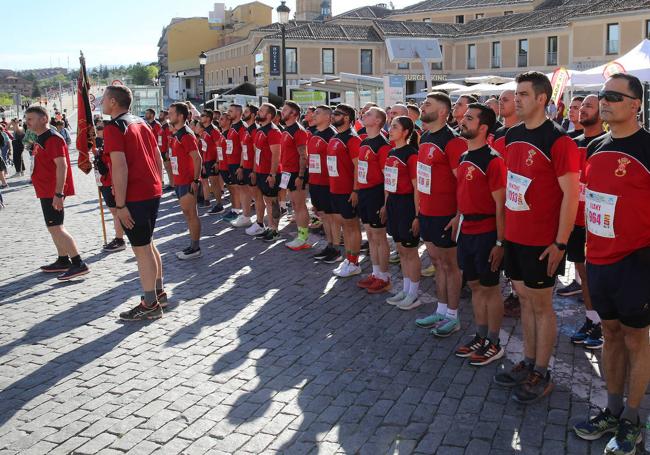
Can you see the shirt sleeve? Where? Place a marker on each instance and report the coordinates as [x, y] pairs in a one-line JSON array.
[[274, 137], [496, 174], [565, 156], [454, 149], [412, 165], [383, 155], [302, 137], [354, 143], [189, 143], [113, 140], [55, 147]]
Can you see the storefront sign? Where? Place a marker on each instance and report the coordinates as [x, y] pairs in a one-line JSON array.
[[274, 66], [422, 77], [308, 98], [394, 89]]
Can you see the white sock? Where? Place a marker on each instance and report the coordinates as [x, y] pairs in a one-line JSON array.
[[593, 316], [452, 313], [413, 291], [442, 308], [376, 271], [407, 285]]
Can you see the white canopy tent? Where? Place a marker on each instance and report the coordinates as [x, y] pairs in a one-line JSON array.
[[483, 89], [448, 86], [635, 62], [488, 79]]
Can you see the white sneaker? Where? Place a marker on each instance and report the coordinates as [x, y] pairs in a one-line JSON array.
[[394, 300], [409, 302], [343, 265], [241, 221], [255, 229], [298, 244], [187, 254], [350, 270]]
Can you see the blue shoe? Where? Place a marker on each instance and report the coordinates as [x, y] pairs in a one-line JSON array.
[[446, 327], [429, 321], [230, 216], [583, 332], [595, 339], [628, 435], [597, 426]]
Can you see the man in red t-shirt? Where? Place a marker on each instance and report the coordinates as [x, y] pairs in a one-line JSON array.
[[136, 172], [164, 147], [481, 197], [267, 167], [541, 203], [342, 154], [238, 138], [618, 260], [208, 152], [210, 164], [186, 166], [52, 180], [250, 191], [294, 171]]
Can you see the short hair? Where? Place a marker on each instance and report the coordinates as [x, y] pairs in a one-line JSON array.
[[207, 113], [151, 111], [252, 108], [348, 110], [379, 111], [541, 84], [442, 98], [413, 108], [181, 108], [486, 115], [121, 94], [164, 111], [633, 83], [470, 99], [59, 123], [270, 108], [578, 98], [294, 107], [311, 108], [324, 107], [40, 110], [237, 106]]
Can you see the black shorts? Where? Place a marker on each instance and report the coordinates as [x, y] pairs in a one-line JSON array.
[[400, 213], [165, 156], [621, 291], [342, 206], [575, 247], [52, 217], [264, 186], [320, 198], [232, 170], [182, 190], [432, 229], [521, 263], [144, 214], [473, 255], [225, 175], [371, 200], [208, 169], [247, 177], [107, 194], [291, 184]]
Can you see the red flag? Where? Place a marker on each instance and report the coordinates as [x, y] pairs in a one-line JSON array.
[[85, 126]]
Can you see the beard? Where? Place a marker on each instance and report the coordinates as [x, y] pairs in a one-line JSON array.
[[337, 123], [589, 121], [468, 134], [259, 119], [429, 117], [247, 119]]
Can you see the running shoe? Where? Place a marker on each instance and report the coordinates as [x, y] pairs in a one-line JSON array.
[[534, 388], [598, 426], [366, 282], [470, 347], [298, 244], [581, 335], [218, 208], [241, 221], [394, 300], [254, 229], [379, 286], [628, 436], [57, 266], [333, 257], [409, 302], [513, 377], [73, 272], [595, 339], [115, 245], [349, 269], [271, 236], [162, 299], [446, 327], [322, 254], [487, 354], [315, 223], [142, 313], [262, 234], [394, 257], [204, 204], [365, 247], [572, 288], [230, 216], [430, 321], [189, 253], [429, 271]]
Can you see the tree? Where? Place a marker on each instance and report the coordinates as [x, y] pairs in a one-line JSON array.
[[142, 75], [36, 93]]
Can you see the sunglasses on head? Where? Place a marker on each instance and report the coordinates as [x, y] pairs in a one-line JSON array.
[[613, 97]]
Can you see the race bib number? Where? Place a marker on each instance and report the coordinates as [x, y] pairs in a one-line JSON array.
[[332, 168], [601, 208], [244, 152], [228, 147], [424, 178], [258, 154], [204, 146], [362, 171], [174, 162], [390, 178], [159, 141], [284, 180], [516, 192], [314, 164], [98, 178], [220, 153]]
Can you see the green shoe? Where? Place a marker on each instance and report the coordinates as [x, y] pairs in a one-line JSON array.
[[429, 321], [597, 426], [446, 327], [628, 435], [394, 300]]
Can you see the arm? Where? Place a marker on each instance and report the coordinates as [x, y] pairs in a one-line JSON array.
[[496, 255], [159, 165], [120, 176], [415, 226], [198, 163], [354, 196], [61, 174], [275, 161]]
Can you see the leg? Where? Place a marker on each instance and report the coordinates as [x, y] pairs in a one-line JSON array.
[[205, 187], [260, 205], [615, 361], [156, 254], [527, 320], [147, 266], [454, 279], [246, 198], [479, 304], [272, 211], [188, 205], [215, 185], [170, 174], [441, 277], [65, 244], [352, 236], [494, 308], [119, 230], [637, 346], [541, 301], [582, 273], [299, 204]]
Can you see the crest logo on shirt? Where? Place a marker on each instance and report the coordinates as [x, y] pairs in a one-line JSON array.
[[470, 173], [621, 169], [529, 160]]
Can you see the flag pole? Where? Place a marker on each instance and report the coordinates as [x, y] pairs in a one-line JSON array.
[[101, 213]]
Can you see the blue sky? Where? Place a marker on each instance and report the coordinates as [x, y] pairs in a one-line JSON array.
[[127, 32]]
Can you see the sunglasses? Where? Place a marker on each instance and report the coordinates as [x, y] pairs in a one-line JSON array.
[[613, 97]]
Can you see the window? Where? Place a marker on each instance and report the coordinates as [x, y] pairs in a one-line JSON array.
[[551, 51], [647, 29], [366, 61], [291, 60], [328, 61], [188, 83], [402, 66], [438, 65], [612, 38], [507, 13], [460, 19], [426, 19], [496, 54], [479, 16], [471, 56], [522, 53]]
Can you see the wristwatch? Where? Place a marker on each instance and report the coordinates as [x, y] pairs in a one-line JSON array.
[[196, 181], [560, 246], [499, 243], [61, 195]]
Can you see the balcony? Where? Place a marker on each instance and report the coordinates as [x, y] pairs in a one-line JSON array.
[[551, 59], [522, 60], [496, 61], [436, 66], [612, 47], [471, 63]]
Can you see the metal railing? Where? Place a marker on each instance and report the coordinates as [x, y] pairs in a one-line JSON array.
[[522, 60], [496, 61], [551, 58]]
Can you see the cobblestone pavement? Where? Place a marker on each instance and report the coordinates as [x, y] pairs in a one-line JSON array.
[[262, 351]]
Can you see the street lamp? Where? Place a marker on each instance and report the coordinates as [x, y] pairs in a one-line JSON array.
[[203, 59], [283, 18]]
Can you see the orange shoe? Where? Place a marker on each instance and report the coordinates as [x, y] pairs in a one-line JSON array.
[[366, 282], [379, 286]]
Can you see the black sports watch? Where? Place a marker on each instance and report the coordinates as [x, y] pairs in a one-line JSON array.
[[560, 246], [60, 195]]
